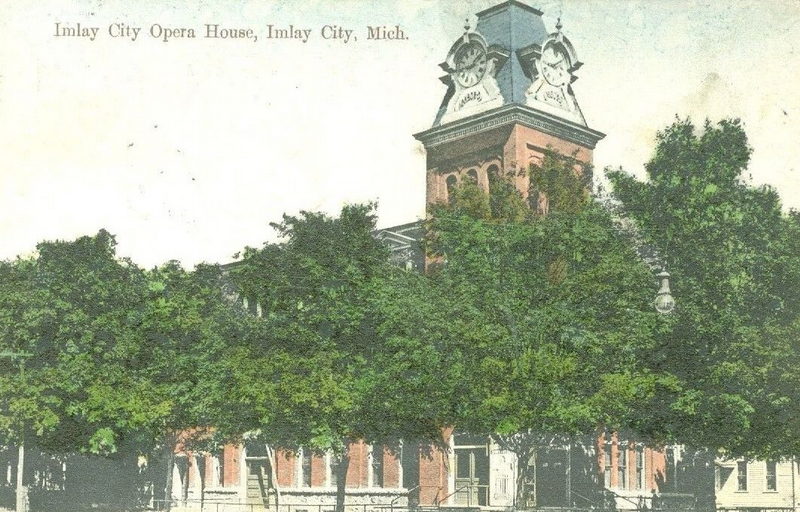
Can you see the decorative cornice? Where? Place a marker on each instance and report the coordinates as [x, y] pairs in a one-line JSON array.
[[509, 114]]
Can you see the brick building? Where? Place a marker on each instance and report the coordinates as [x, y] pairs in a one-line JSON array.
[[509, 99]]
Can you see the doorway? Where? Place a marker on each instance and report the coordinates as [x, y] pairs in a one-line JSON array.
[[471, 471], [259, 481]]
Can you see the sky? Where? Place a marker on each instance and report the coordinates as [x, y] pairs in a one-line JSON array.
[[187, 149]]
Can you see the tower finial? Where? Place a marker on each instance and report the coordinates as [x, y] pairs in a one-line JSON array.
[[559, 26], [466, 30]]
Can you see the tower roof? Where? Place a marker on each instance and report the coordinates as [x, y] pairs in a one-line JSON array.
[[512, 25], [510, 62]]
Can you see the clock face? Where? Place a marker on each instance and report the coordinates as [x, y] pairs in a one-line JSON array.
[[554, 66], [470, 62]]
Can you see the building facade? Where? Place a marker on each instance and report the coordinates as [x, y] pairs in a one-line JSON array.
[[742, 484], [508, 101]]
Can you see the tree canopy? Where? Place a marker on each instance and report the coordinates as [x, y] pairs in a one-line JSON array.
[[535, 320], [121, 359], [733, 256], [548, 315], [344, 341]]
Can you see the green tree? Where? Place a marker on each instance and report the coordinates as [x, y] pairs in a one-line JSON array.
[[122, 359], [549, 314], [346, 358], [68, 308], [188, 327], [733, 256], [27, 402], [562, 182]]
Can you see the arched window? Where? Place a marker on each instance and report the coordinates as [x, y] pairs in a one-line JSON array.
[[492, 173], [472, 174], [451, 187]]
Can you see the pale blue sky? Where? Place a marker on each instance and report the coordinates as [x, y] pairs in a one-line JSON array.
[[187, 149]]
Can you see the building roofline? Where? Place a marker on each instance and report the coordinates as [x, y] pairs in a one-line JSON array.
[[510, 114], [231, 265], [397, 227], [507, 4]]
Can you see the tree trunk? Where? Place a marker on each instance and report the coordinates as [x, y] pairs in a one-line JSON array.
[[705, 481], [170, 443], [201, 469], [185, 483], [341, 478], [22, 491]]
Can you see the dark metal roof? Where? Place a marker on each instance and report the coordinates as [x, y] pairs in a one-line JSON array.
[[508, 3], [512, 25]]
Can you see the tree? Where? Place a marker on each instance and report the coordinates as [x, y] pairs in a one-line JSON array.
[[122, 360], [733, 256], [548, 314], [67, 307], [26, 400], [337, 318], [187, 330]]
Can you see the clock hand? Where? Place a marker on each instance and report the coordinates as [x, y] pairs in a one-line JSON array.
[[478, 63]]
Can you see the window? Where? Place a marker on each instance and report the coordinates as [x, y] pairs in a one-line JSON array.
[[640, 483], [741, 475], [472, 174], [377, 466], [220, 468], [333, 464], [772, 478], [305, 467], [607, 461], [451, 182], [671, 474], [622, 465]]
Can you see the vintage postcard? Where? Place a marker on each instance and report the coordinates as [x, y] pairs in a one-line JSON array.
[[184, 129]]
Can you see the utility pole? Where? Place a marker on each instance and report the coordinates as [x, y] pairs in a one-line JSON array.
[[22, 491]]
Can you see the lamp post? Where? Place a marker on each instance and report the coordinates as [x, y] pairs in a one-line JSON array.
[[22, 491], [664, 301]]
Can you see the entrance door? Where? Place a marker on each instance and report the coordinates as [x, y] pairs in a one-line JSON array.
[[257, 480], [258, 475], [472, 475]]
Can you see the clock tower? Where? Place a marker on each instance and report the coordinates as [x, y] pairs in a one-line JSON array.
[[509, 98]]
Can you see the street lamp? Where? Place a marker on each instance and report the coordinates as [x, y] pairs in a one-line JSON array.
[[664, 301], [22, 491]]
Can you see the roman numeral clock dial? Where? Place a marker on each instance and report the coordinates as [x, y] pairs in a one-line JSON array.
[[470, 62]]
